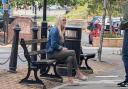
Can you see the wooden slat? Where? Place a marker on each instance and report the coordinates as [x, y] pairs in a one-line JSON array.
[[28, 42], [37, 52], [45, 61], [88, 54]]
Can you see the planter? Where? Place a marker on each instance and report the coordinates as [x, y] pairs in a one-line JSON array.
[[108, 42]]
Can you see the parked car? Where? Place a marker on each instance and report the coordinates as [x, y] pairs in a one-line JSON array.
[[94, 26], [116, 22]]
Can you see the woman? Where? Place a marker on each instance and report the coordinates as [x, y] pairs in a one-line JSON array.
[[56, 50]]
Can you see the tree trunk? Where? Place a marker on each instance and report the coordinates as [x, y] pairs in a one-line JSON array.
[[110, 14], [102, 30]]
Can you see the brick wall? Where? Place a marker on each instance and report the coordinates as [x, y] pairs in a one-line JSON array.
[[25, 24]]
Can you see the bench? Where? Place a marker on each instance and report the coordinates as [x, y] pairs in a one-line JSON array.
[[35, 65], [62, 68], [85, 57]]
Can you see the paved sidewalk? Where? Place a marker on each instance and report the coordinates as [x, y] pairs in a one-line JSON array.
[[106, 75], [111, 62], [11, 81]]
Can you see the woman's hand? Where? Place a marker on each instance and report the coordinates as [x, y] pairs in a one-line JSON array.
[[65, 48]]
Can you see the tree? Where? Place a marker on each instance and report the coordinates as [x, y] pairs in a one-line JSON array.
[[67, 2], [110, 10], [95, 7], [52, 2], [102, 30]]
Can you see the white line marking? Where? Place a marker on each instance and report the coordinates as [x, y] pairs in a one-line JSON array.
[[61, 86], [92, 82], [112, 76], [101, 82]]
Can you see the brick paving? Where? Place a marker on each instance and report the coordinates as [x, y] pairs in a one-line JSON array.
[[11, 80]]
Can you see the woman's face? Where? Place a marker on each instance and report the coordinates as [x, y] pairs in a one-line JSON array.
[[63, 22]]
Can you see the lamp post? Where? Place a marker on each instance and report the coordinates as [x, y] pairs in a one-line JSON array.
[[44, 10], [44, 26], [35, 12], [43, 33], [5, 18]]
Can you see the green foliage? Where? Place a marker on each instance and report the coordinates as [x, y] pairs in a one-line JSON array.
[[78, 13], [67, 2], [50, 2], [51, 18], [87, 7], [112, 35], [95, 7]]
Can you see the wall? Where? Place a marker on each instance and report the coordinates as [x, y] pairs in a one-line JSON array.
[[108, 42]]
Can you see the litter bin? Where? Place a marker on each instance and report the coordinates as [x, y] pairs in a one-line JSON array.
[[73, 39], [73, 42]]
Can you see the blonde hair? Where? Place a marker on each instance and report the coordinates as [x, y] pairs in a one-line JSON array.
[[59, 25]]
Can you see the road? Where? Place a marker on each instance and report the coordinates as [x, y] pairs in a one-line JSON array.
[[5, 53], [22, 12]]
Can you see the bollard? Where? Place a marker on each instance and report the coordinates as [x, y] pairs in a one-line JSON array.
[[14, 50], [34, 45]]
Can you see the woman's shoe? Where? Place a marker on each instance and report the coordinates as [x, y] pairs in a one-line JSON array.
[[83, 78], [80, 75], [72, 83]]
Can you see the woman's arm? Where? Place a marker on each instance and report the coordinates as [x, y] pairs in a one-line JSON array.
[[55, 40]]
